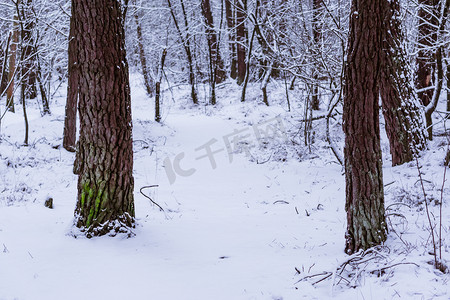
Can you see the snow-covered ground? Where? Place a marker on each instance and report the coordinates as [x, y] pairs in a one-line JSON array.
[[257, 221]]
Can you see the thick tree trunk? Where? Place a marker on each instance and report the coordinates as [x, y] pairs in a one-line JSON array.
[[428, 24], [241, 39], [104, 159], [70, 120], [366, 225], [229, 10], [211, 35], [403, 118]]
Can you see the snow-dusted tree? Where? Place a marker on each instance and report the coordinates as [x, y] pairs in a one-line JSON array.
[[185, 38], [241, 39], [428, 19], [404, 126], [28, 34], [104, 160], [12, 65], [216, 66], [216, 62], [316, 47], [229, 13], [366, 224], [149, 82], [70, 119]]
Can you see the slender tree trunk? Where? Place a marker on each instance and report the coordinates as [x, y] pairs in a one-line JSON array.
[[70, 120], [428, 23], [29, 62], [241, 39], [229, 10], [104, 160], [366, 225], [148, 80], [12, 65], [4, 72], [45, 102], [247, 73], [213, 46], [158, 86], [448, 81], [265, 81], [317, 36], [24, 110], [403, 117], [185, 40]]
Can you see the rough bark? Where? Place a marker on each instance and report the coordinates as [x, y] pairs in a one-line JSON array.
[[229, 10], [366, 225], [70, 120], [241, 39], [428, 23], [404, 127], [104, 160]]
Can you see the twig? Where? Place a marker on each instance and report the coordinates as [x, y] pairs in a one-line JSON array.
[[428, 213], [147, 187]]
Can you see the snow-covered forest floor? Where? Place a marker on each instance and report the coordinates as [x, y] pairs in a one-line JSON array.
[[257, 222]]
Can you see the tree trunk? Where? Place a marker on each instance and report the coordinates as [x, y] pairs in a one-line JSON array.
[[247, 73], [229, 9], [29, 62], [448, 81], [45, 102], [317, 36], [148, 80], [185, 40], [158, 86], [70, 120], [104, 160], [241, 39], [4, 72], [403, 118], [12, 65], [213, 46], [428, 23], [366, 225], [265, 81]]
